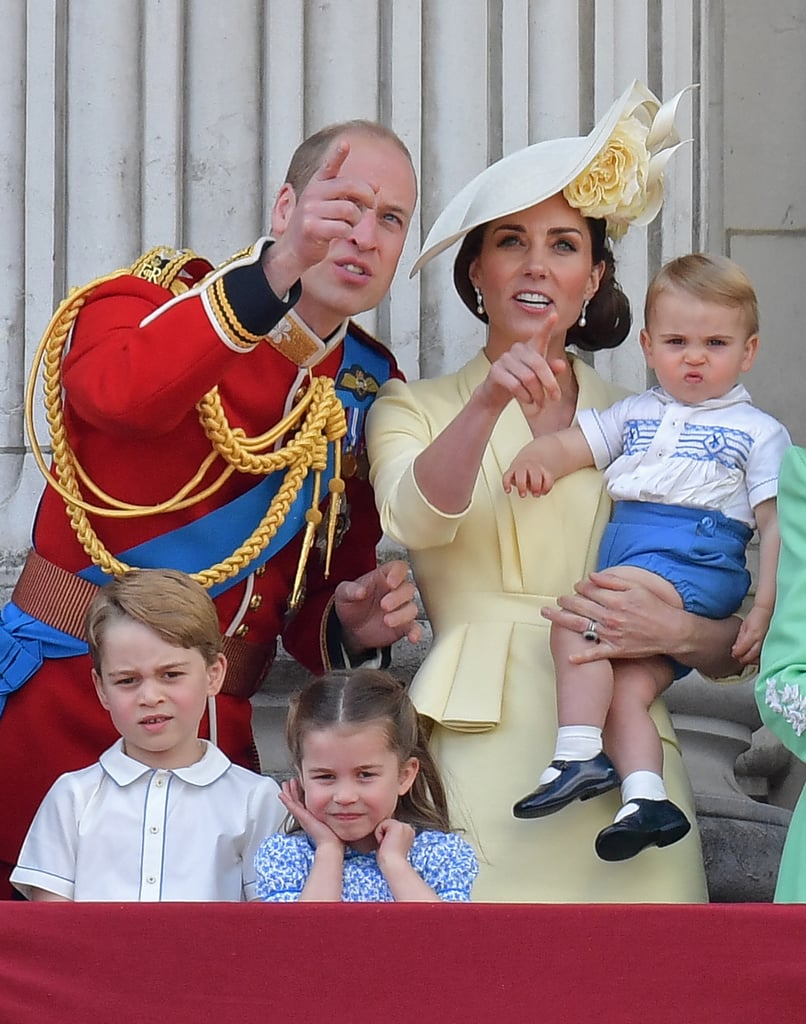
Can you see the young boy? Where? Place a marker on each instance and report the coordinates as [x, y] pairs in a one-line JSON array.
[[692, 468], [163, 815]]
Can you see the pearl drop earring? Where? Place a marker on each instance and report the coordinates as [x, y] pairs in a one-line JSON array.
[[479, 302], [583, 320]]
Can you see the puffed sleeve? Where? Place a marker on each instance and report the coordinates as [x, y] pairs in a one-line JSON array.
[[447, 863], [781, 683], [265, 814], [282, 865]]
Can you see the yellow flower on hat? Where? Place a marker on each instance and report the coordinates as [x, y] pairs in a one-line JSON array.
[[624, 181], [614, 184]]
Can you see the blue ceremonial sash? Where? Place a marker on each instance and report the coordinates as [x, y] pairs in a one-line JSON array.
[[25, 641]]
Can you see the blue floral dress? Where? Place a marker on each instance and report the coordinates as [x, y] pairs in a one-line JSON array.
[[443, 860]]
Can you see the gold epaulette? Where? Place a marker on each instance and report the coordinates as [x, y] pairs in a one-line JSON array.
[[315, 423], [165, 267]]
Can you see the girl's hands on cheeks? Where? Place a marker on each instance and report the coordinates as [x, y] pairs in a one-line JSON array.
[[394, 839], [320, 833]]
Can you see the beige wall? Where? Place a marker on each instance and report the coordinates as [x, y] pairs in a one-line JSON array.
[[140, 122], [756, 152]]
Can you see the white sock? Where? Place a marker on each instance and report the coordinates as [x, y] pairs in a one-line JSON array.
[[640, 785], [574, 743]]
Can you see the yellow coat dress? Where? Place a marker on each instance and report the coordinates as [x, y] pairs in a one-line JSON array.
[[488, 680]]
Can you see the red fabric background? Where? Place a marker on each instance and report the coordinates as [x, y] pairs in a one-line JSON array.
[[194, 963]]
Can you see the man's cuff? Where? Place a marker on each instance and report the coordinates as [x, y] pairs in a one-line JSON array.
[[240, 301], [336, 656]]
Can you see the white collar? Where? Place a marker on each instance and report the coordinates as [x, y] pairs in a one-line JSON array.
[[124, 770], [737, 394]]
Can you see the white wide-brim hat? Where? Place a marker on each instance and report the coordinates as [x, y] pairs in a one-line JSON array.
[[537, 172]]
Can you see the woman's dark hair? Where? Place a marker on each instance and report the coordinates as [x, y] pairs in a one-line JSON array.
[[608, 314], [367, 696]]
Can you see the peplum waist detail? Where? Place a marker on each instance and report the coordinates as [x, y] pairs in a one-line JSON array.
[[461, 682]]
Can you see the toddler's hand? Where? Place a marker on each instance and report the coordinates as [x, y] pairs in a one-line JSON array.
[[527, 477], [747, 648]]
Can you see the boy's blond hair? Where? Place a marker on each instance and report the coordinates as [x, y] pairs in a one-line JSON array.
[[708, 278], [169, 602]]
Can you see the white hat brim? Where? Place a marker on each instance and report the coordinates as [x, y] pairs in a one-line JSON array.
[[526, 177]]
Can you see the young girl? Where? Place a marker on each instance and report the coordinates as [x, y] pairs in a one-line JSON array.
[[369, 806]]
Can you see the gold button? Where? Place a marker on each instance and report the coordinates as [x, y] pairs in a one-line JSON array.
[[261, 570], [300, 393], [242, 630], [256, 602]]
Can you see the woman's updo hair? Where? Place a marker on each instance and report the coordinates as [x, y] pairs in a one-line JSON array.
[[608, 314]]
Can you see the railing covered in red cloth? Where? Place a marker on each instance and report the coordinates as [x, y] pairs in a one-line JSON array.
[[418, 963]]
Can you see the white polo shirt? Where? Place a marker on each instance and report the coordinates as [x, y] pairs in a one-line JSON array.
[[121, 831]]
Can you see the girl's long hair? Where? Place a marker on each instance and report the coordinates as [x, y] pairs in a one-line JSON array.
[[367, 696]]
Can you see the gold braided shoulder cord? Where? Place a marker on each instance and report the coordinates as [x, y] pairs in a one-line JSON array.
[[317, 420]]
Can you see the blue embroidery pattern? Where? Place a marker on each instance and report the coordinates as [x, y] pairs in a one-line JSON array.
[[701, 442]]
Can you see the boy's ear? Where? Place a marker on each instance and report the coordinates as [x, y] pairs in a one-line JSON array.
[[215, 675], [99, 689], [408, 773], [750, 352], [646, 346]]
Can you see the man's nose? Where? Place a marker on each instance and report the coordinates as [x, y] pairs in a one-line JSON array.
[[365, 232]]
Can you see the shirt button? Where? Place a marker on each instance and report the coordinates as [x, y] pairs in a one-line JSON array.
[[154, 830], [151, 879], [242, 630], [256, 602], [160, 782]]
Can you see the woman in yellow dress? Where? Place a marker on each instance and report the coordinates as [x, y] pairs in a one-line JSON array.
[[535, 264]]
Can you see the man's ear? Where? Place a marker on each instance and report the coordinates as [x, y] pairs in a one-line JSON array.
[[284, 206]]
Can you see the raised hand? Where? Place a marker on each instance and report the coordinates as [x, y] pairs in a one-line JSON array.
[[320, 833], [329, 207], [378, 608], [395, 839], [524, 372]]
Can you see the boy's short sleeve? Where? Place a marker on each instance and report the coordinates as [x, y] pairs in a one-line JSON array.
[[447, 863], [47, 859], [282, 865], [265, 814]]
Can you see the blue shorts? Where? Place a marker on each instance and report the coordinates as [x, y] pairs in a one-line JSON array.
[[701, 553]]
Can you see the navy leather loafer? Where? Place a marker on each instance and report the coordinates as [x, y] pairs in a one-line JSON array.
[[654, 823], [578, 780]]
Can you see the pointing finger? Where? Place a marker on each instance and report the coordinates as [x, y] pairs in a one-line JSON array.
[[334, 159]]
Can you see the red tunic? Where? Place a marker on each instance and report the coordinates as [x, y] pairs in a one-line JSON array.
[[130, 392]]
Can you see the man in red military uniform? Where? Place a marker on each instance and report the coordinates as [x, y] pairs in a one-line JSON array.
[[174, 378]]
